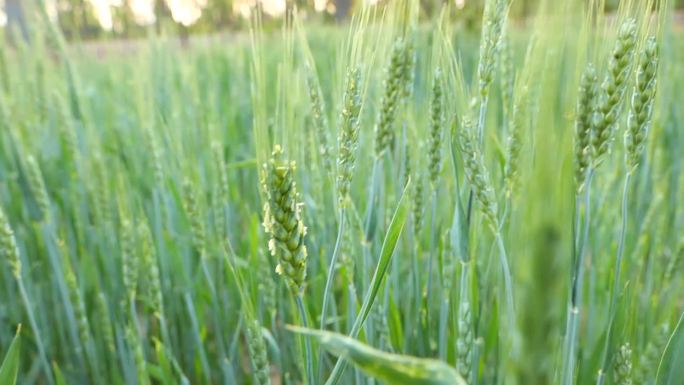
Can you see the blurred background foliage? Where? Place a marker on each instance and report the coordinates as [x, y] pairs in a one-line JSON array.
[[97, 19]]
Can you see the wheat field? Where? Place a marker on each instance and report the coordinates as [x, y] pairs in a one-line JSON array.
[[393, 200]]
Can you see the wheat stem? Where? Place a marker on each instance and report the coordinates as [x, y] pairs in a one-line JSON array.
[[576, 292], [443, 318], [194, 323], [328, 286], [616, 280], [307, 342], [36, 331], [507, 276], [433, 214]]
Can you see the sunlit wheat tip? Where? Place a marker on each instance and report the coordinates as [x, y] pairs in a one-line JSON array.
[[348, 135], [492, 25], [586, 105], [393, 90], [192, 211], [506, 71], [477, 174], [641, 111], [267, 287], [622, 369], [319, 117], [76, 298], [514, 142], [221, 191], [101, 191], [104, 323], [37, 186], [436, 128], [257, 352], [283, 220], [135, 345], [8, 246], [156, 155], [649, 360], [418, 205], [130, 257], [613, 90], [464, 341], [150, 269], [409, 69]]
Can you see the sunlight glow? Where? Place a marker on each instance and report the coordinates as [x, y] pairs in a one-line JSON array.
[[103, 12], [270, 7], [320, 5], [3, 15], [244, 7], [274, 7], [185, 12], [143, 11]]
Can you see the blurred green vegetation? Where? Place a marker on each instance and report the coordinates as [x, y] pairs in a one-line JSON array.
[[117, 139], [77, 18]]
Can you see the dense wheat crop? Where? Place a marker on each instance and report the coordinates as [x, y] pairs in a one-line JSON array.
[[396, 200]]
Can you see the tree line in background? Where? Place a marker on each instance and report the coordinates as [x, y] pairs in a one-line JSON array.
[[78, 19]]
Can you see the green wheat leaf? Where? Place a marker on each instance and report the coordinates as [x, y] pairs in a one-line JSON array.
[[393, 369], [10, 365]]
